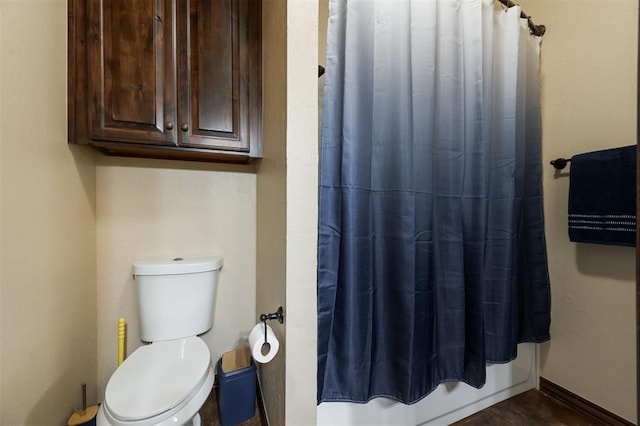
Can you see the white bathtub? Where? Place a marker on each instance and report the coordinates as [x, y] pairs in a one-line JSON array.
[[450, 402]]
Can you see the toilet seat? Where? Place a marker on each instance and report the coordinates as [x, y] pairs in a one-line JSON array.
[[157, 378]]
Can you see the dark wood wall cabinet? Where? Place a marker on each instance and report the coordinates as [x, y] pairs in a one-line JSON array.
[[175, 79]]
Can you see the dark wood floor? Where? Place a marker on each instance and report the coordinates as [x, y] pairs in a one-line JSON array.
[[209, 413], [532, 408]]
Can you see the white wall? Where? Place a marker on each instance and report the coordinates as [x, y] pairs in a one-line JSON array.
[[302, 210], [155, 209], [47, 224], [589, 89]]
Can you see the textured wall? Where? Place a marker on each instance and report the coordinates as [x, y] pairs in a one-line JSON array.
[[287, 207], [302, 210], [47, 225], [272, 201], [589, 103], [154, 209]]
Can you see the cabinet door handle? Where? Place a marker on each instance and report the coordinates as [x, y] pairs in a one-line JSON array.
[[185, 127], [169, 126]]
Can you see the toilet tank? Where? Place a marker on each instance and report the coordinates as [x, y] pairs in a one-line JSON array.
[[176, 298]]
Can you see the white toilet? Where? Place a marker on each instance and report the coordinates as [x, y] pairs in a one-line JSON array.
[[168, 381]]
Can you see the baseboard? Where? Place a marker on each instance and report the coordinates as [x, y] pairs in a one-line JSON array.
[[578, 403]]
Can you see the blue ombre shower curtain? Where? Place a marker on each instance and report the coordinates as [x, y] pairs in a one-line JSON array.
[[432, 258]]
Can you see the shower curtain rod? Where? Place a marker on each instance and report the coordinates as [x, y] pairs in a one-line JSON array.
[[537, 30]]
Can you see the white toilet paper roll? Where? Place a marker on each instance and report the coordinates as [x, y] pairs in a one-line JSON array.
[[256, 343]]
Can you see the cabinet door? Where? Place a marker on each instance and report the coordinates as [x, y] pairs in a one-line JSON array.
[[219, 71], [131, 65]]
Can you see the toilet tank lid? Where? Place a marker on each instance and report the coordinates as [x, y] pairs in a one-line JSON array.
[[177, 266]]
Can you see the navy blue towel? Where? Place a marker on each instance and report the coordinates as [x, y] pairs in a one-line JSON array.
[[602, 197]]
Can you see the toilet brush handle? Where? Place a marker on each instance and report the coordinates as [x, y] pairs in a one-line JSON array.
[[84, 396]]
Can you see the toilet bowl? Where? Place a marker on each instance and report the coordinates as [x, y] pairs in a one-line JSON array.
[[164, 383], [167, 382]]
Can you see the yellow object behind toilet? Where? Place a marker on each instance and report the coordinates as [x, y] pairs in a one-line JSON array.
[[121, 335]]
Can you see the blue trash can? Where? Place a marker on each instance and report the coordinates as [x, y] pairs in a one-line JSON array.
[[236, 387]]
